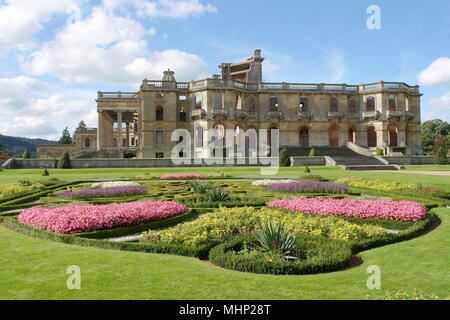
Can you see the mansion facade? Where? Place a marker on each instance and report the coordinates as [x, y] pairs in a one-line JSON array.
[[139, 124]]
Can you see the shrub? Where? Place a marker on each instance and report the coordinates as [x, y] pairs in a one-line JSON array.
[[103, 193], [321, 255], [379, 152], [64, 163], [26, 155], [375, 184], [12, 189], [312, 152], [76, 219], [307, 170], [147, 176], [381, 209], [441, 155], [45, 173], [308, 186], [285, 160], [274, 237], [315, 177]]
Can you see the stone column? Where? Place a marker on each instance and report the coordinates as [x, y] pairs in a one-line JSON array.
[[127, 134], [99, 129], [119, 129]]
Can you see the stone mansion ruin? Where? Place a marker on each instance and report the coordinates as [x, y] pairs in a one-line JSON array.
[[360, 117]]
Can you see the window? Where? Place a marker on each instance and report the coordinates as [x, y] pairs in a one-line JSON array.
[[392, 105], [370, 103], [182, 115], [303, 104], [333, 104], [198, 101], [87, 142], [199, 137], [251, 104], [159, 155], [238, 102], [218, 100], [159, 137], [352, 106], [182, 98], [273, 104], [159, 113]]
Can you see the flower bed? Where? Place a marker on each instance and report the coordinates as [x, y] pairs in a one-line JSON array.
[[103, 193], [183, 176], [114, 184], [268, 182], [308, 186], [380, 209], [218, 226], [76, 219], [8, 190], [375, 184]]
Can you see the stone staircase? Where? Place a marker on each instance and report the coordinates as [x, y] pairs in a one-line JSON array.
[[344, 157]]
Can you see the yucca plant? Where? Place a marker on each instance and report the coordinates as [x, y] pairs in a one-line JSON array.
[[274, 237], [217, 194]]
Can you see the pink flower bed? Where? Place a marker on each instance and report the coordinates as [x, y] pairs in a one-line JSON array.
[[183, 176], [381, 209], [75, 219]]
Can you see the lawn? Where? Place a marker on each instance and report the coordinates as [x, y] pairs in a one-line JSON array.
[[36, 269]]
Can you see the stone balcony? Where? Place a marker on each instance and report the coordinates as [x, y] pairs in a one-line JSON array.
[[198, 114], [409, 115], [305, 115], [370, 115], [220, 114], [333, 115], [394, 115], [353, 116], [274, 115]]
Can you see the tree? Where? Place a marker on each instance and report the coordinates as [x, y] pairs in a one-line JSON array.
[[64, 163], [440, 150], [26, 155], [65, 137], [307, 170], [285, 161], [430, 130], [312, 152], [45, 173]]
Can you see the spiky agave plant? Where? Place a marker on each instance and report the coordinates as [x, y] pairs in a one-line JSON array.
[[274, 237]]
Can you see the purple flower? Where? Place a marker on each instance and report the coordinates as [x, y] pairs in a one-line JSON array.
[[308, 186]]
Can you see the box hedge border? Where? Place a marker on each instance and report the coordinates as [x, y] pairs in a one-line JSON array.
[[332, 255]]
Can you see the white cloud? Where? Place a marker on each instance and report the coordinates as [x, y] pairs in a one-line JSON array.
[[438, 73], [336, 63], [104, 48], [441, 103], [32, 108], [20, 19]]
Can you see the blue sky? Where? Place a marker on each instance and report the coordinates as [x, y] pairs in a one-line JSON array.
[[56, 54]]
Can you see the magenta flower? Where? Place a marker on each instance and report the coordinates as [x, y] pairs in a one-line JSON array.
[[381, 209], [183, 176], [76, 219]]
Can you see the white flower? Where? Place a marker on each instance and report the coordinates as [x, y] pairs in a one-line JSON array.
[[114, 184], [268, 182]]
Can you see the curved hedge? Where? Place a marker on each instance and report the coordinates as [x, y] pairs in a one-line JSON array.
[[326, 256]]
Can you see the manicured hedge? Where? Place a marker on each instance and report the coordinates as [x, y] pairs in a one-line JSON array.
[[329, 255]]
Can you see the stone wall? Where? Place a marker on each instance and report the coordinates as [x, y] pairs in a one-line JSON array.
[[307, 161], [409, 160]]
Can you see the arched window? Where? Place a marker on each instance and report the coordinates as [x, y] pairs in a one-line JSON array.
[[273, 103], [304, 137], [392, 104], [352, 135], [371, 137], [392, 138], [159, 113], [303, 104], [87, 142], [218, 100], [334, 104], [198, 137], [352, 106], [198, 100], [370, 103], [333, 137], [238, 102], [251, 104]]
